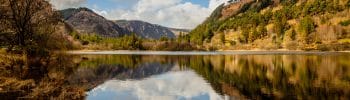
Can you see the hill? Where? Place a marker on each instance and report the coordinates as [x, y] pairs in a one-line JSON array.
[[85, 20], [277, 24]]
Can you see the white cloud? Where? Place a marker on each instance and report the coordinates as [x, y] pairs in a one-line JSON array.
[[63, 4], [215, 3], [170, 13], [184, 85]]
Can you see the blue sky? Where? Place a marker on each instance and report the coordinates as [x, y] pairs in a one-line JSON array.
[[171, 13]]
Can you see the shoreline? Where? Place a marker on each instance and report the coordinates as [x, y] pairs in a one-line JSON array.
[[221, 52], [242, 50]]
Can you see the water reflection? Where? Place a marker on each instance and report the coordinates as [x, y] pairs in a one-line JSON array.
[[278, 76], [311, 76], [236, 76], [182, 85]]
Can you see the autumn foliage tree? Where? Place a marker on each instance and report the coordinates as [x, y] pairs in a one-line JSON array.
[[26, 25], [306, 27]]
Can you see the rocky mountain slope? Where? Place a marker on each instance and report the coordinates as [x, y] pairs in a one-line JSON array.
[[277, 24], [145, 30], [85, 20]]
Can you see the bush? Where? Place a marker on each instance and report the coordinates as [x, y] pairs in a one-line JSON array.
[[323, 47], [345, 23], [291, 45], [85, 42]]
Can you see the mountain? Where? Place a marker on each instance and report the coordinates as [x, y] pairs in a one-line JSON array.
[[145, 30], [277, 24], [179, 32], [85, 20]]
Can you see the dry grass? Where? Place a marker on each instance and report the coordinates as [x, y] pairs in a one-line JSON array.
[[7, 59], [8, 84], [344, 41]]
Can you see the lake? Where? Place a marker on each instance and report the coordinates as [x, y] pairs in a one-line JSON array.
[[134, 75], [150, 75]]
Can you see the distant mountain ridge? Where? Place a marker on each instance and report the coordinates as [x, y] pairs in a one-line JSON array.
[[86, 21], [179, 32], [145, 29]]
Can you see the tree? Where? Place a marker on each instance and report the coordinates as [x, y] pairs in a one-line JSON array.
[[244, 35], [28, 23], [222, 37], [253, 35], [293, 35], [289, 2], [306, 27], [262, 31], [280, 24], [163, 38]]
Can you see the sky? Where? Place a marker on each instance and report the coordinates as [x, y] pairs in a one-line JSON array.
[[186, 14]]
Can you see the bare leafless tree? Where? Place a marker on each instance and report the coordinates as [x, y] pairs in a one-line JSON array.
[[26, 23]]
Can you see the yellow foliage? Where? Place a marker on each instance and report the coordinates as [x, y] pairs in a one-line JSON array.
[[344, 41]]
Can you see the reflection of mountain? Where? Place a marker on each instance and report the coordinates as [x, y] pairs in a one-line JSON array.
[[121, 72], [308, 76], [241, 76], [104, 72]]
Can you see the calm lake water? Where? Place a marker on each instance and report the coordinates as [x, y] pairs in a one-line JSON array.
[[126, 75], [139, 75]]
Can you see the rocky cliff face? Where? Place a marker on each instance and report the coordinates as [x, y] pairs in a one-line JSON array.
[[85, 20], [145, 30]]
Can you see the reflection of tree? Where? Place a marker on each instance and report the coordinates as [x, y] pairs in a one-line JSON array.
[[280, 76], [242, 76], [44, 77]]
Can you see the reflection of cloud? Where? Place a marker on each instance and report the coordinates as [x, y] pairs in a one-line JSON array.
[[170, 86]]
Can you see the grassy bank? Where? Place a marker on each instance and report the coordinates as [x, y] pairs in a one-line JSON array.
[[37, 77]]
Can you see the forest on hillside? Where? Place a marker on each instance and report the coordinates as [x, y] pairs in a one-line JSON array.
[[278, 24]]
